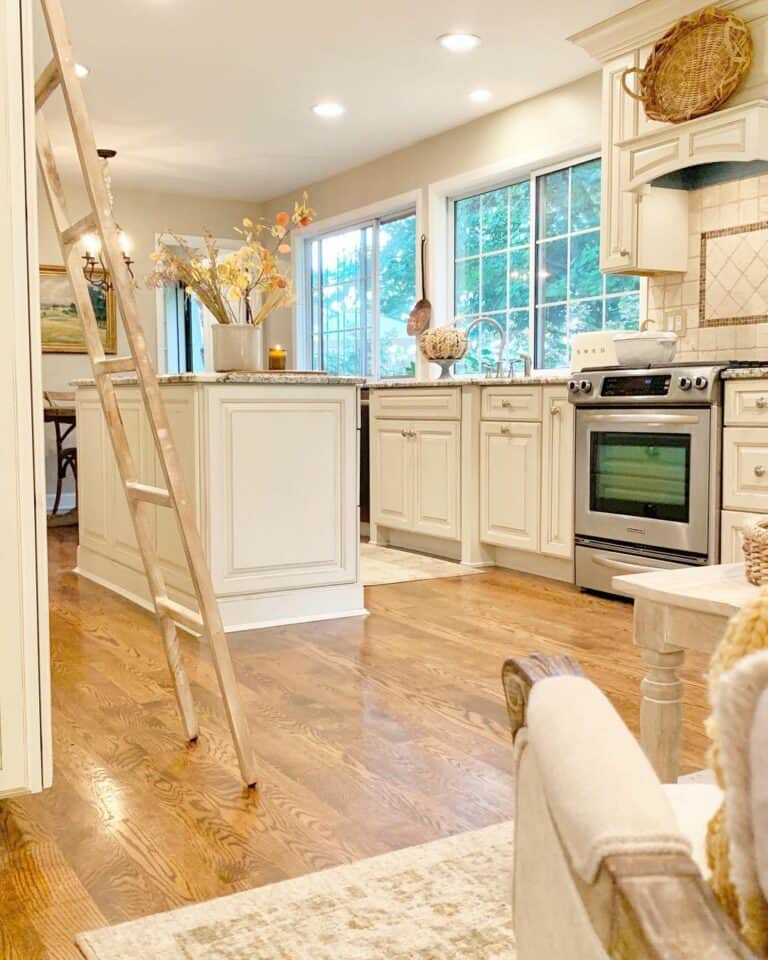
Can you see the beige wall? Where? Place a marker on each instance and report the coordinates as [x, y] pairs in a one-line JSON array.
[[142, 215], [561, 123]]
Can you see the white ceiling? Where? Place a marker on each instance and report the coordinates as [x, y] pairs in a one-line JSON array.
[[214, 96]]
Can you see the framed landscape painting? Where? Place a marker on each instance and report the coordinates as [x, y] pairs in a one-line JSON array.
[[62, 330]]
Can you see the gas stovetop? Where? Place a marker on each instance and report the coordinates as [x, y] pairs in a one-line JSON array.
[[657, 384]]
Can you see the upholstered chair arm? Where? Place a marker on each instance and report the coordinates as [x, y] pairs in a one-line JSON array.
[[595, 830]]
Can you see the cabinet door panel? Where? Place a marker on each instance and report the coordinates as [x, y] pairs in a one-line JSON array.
[[731, 535], [557, 469], [120, 531], [437, 478], [391, 474], [618, 220], [510, 480], [745, 469], [182, 410]]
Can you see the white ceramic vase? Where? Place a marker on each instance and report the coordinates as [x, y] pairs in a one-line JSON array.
[[237, 346]]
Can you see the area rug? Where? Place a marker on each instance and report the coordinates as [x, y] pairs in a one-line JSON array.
[[380, 565], [446, 899]]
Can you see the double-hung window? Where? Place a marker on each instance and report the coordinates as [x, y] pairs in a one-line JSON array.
[[528, 256], [361, 286]]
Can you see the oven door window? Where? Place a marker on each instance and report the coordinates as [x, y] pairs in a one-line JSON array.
[[641, 475]]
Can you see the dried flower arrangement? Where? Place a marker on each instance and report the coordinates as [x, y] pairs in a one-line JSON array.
[[224, 283]]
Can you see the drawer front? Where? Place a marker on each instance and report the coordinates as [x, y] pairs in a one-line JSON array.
[[430, 403], [746, 403], [511, 403], [731, 536], [745, 469]]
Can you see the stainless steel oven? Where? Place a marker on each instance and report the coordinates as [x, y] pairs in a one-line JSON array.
[[647, 469]]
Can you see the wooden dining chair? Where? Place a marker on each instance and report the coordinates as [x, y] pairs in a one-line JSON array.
[[66, 457]]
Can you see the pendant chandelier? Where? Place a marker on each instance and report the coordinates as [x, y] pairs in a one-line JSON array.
[[95, 270]]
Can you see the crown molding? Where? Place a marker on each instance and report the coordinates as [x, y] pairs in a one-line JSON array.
[[641, 25]]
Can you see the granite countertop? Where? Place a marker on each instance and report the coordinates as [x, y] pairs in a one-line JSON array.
[[745, 373], [536, 379], [287, 377]]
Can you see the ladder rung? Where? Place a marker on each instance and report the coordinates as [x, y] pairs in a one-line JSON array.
[[180, 614], [74, 234], [46, 83], [142, 491], [103, 368]]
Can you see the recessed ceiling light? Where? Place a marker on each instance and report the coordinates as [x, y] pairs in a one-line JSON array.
[[328, 109], [459, 42], [81, 71], [480, 96]]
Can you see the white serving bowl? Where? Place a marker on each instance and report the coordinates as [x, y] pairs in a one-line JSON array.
[[639, 348]]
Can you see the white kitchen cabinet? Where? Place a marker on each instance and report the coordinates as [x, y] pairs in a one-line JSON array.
[[745, 469], [510, 483], [391, 474], [731, 535], [416, 469], [557, 470], [272, 469], [618, 213], [436, 451]]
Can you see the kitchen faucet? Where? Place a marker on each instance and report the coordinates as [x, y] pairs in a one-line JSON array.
[[502, 340]]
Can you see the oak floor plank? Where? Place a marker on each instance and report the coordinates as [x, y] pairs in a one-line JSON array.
[[371, 734]]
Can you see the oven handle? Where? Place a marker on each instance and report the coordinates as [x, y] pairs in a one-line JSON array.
[[602, 561], [655, 419]]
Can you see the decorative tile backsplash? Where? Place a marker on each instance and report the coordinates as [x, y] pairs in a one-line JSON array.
[[723, 296], [734, 268]]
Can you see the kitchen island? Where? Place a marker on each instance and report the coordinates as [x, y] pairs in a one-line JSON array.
[[271, 462]]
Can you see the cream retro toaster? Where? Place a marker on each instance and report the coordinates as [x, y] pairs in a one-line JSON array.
[[589, 350]]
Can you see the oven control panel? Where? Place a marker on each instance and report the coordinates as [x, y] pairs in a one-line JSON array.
[[683, 384]]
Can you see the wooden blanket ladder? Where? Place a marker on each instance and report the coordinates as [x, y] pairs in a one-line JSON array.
[[141, 498]]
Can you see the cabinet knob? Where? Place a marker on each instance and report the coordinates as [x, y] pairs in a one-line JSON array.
[[761, 403], [554, 410], [759, 470], [623, 252], [505, 428]]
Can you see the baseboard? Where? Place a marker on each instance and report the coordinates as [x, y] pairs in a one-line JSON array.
[[67, 502], [238, 613]]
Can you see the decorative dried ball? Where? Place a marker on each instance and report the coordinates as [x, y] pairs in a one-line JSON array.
[[443, 343]]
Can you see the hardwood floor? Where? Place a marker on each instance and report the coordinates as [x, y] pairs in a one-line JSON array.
[[371, 734]]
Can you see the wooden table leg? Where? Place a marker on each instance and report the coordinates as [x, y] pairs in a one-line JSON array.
[[661, 707]]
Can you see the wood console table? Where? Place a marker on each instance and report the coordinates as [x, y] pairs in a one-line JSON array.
[[675, 611]]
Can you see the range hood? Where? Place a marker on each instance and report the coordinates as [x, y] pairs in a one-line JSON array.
[[729, 144]]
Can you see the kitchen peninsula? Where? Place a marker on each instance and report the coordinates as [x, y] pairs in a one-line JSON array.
[[271, 462]]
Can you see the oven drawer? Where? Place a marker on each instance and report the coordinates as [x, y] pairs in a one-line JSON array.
[[745, 469], [511, 403], [746, 403]]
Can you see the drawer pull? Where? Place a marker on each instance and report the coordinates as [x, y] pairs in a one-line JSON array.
[[759, 470], [506, 403], [761, 403], [505, 428]]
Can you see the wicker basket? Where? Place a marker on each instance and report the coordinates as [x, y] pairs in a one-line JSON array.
[[695, 67], [755, 548]]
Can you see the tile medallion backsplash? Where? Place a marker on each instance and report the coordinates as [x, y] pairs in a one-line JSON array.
[[723, 296], [734, 267]]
